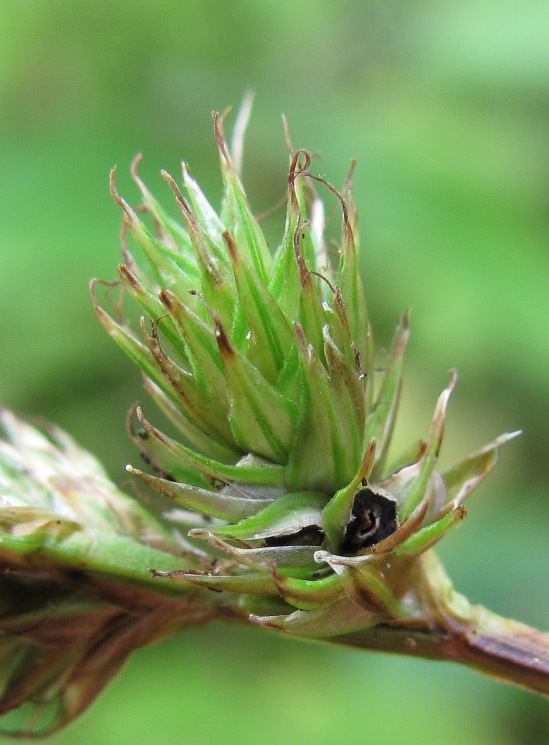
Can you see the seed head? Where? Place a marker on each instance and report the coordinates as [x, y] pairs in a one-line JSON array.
[[264, 364]]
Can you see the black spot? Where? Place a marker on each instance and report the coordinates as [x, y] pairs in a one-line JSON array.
[[373, 518], [311, 535]]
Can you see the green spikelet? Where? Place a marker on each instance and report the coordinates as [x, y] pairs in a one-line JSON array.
[[265, 366]]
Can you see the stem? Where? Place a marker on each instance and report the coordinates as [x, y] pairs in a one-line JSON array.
[[453, 630], [515, 654], [505, 649], [448, 629]]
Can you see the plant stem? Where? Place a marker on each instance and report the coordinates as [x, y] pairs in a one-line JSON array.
[[454, 630], [449, 628], [518, 654]]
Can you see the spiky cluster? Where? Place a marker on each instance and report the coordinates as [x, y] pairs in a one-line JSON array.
[[71, 552], [49, 486], [264, 364]]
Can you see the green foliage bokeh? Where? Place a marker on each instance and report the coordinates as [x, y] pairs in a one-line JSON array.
[[446, 108]]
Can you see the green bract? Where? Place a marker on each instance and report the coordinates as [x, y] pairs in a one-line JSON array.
[[264, 364], [74, 583]]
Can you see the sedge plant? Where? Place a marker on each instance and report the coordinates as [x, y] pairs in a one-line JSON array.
[[286, 510]]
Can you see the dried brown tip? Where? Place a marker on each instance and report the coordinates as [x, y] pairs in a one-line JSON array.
[[128, 277], [169, 575], [168, 300], [187, 214], [126, 254], [92, 283], [339, 196], [132, 415], [223, 342], [297, 167], [219, 134], [303, 270], [153, 338], [115, 195], [134, 166], [301, 339], [101, 314], [141, 185], [350, 175], [333, 289], [368, 461], [137, 412], [231, 246]]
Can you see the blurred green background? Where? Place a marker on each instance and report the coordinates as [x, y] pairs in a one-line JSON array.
[[446, 107]]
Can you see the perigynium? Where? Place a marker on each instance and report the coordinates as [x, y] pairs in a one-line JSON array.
[[289, 501]]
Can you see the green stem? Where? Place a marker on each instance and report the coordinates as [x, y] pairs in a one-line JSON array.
[[515, 654], [451, 629]]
